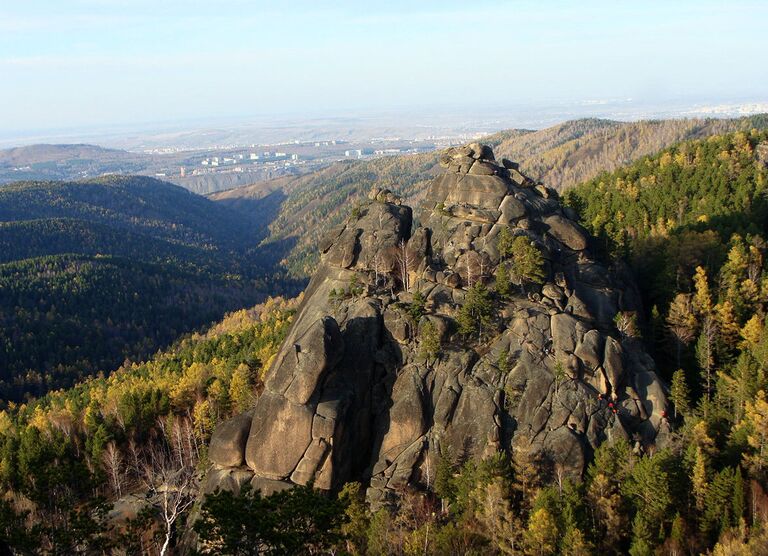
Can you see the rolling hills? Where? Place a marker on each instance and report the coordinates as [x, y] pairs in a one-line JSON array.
[[55, 162], [560, 156], [97, 271]]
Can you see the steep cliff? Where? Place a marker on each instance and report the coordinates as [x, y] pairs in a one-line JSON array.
[[355, 393]]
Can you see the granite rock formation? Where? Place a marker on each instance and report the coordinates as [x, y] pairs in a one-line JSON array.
[[351, 396]]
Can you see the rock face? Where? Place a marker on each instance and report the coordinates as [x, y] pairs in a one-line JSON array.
[[351, 395]]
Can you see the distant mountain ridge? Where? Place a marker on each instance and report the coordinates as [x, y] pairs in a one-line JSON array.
[[47, 152], [560, 156], [575, 151], [47, 161]]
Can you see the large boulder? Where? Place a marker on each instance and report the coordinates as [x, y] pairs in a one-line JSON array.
[[280, 434], [567, 232], [227, 445]]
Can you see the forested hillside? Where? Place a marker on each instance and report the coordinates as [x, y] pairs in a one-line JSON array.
[[572, 152], [310, 204], [63, 456], [94, 272], [559, 156]]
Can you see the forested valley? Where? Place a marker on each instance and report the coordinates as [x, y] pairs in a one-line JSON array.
[[80, 465], [98, 272]]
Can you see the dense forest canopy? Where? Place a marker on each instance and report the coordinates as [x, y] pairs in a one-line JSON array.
[[96, 272], [63, 452]]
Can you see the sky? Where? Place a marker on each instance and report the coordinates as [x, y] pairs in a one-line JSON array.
[[80, 63]]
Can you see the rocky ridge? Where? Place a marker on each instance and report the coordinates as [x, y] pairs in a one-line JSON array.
[[352, 396]]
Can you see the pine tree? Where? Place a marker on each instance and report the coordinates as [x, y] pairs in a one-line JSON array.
[[677, 535], [497, 517], [504, 243], [527, 261], [727, 327], [681, 323], [734, 271], [699, 479], [609, 513], [503, 284], [541, 535], [642, 536], [475, 316], [705, 352], [429, 340], [718, 508], [756, 425], [702, 298], [649, 488], [241, 388], [574, 543], [527, 473], [738, 501], [355, 527], [417, 307], [679, 393]]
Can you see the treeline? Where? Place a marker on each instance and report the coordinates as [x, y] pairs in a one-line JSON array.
[[64, 456]]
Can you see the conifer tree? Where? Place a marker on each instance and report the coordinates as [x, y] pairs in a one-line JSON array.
[[574, 543], [505, 242], [429, 340], [702, 298], [503, 284], [475, 316], [541, 535], [699, 479], [679, 393], [527, 261], [681, 323], [756, 424]]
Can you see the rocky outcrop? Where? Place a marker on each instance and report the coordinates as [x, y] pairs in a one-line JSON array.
[[353, 396]]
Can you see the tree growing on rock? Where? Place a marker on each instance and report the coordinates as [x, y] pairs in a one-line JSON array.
[[406, 261], [429, 341], [505, 243], [503, 286], [475, 316], [527, 262]]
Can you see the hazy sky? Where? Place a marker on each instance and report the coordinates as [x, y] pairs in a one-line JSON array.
[[94, 62]]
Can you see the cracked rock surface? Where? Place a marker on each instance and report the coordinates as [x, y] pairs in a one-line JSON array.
[[350, 395]]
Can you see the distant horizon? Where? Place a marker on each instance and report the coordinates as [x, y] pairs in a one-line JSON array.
[[539, 115], [91, 64]]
